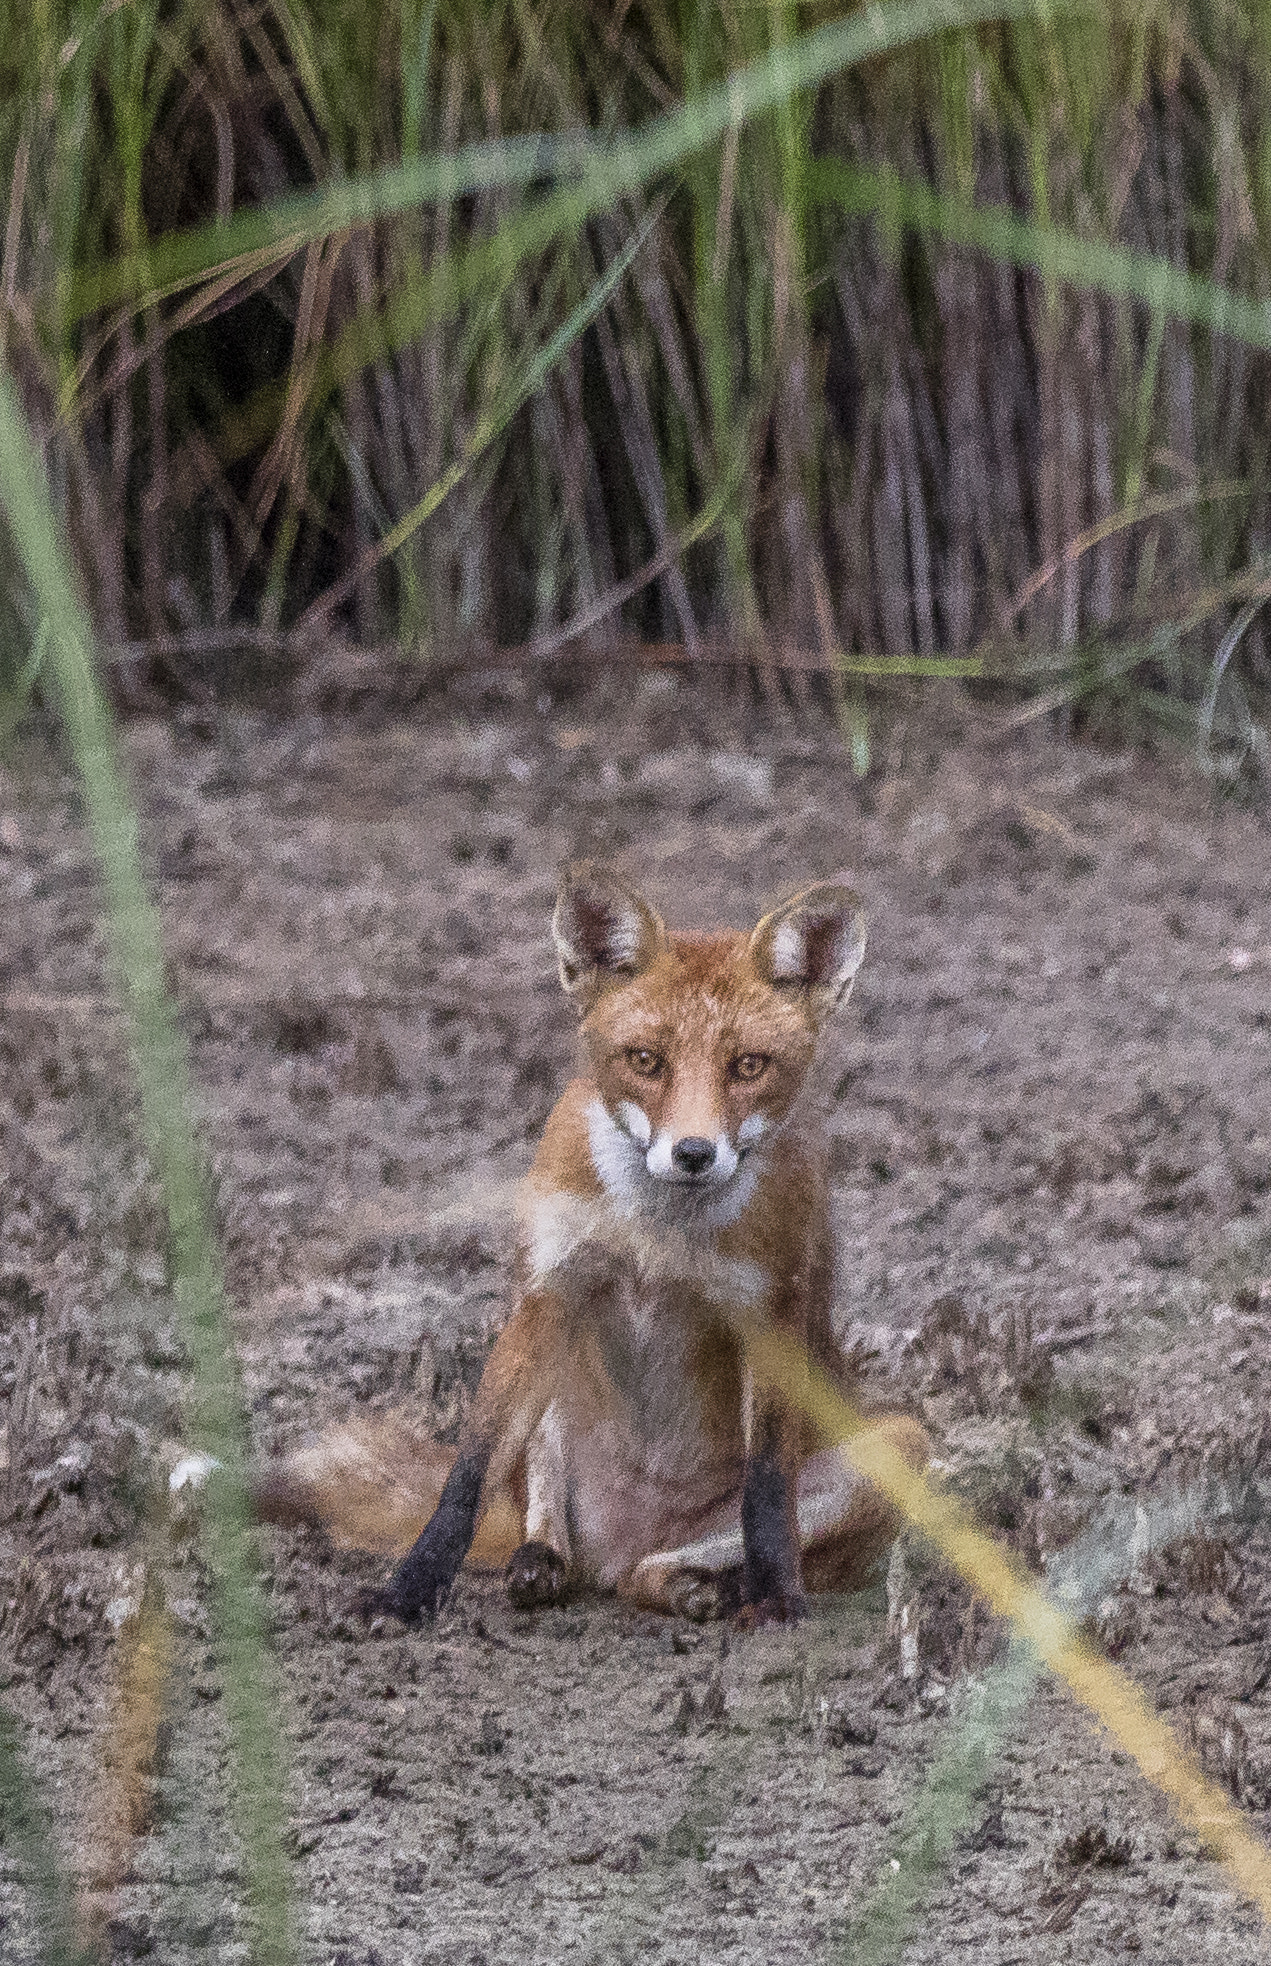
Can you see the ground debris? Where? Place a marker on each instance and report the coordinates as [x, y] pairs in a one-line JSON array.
[[1052, 1203]]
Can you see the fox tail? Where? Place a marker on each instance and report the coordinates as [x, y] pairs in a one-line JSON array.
[[372, 1484]]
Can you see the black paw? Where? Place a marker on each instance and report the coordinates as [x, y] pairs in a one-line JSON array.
[[394, 1603], [536, 1576], [370, 1604], [782, 1608]]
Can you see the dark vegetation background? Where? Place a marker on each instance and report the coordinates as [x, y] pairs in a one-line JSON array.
[[893, 438]]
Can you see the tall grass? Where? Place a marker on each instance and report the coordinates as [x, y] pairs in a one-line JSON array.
[[905, 335], [216, 1414]]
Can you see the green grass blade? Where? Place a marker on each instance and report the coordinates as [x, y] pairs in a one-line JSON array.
[[510, 400], [1064, 258], [900, 666], [941, 1811], [218, 1419], [604, 171], [1226, 649], [26, 1832]]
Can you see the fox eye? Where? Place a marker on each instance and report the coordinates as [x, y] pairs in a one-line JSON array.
[[645, 1064], [750, 1066]]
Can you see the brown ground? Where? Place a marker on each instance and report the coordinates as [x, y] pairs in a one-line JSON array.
[[1053, 1165]]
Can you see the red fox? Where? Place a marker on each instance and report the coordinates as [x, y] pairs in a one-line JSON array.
[[617, 1438]]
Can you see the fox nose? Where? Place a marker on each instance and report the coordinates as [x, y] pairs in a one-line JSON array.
[[693, 1155]]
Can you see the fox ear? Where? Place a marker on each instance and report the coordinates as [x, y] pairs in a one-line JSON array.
[[813, 942], [602, 930]]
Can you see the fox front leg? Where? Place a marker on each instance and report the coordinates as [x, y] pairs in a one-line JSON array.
[[423, 1578], [537, 1573], [508, 1407], [772, 1575]]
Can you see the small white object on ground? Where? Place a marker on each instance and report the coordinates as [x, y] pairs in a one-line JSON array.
[[192, 1471]]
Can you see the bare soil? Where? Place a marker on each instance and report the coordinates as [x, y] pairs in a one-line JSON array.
[[1052, 1157]]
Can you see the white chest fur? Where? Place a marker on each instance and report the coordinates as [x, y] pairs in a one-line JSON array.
[[557, 1228]]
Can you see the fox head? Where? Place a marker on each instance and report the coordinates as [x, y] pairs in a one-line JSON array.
[[698, 1044]]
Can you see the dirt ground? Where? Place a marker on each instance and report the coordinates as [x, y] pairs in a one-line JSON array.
[[1052, 1154]]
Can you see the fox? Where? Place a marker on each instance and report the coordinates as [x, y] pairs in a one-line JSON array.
[[617, 1439]]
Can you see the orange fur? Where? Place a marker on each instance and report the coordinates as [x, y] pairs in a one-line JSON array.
[[679, 1194]]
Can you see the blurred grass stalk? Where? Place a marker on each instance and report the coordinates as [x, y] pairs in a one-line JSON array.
[[989, 1707], [217, 1421], [928, 317], [941, 1811], [1041, 1623], [29, 1836]]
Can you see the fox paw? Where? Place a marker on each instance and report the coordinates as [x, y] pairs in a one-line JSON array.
[[371, 1604], [784, 1608], [391, 1602], [536, 1575], [702, 1596]]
